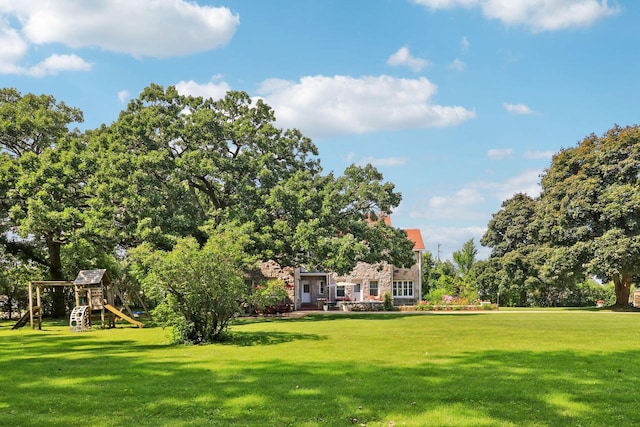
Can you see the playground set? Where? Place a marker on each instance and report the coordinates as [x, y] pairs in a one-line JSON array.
[[93, 291]]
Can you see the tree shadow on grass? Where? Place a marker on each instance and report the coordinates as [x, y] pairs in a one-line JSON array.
[[246, 339], [55, 378], [388, 315], [476, 388]]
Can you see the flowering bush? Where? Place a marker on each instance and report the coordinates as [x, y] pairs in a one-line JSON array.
[[447, 299], [450, 303], [424, 306]]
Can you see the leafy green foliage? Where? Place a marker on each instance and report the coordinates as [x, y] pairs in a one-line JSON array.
[[269, 294], [174, 166], [387, 303], [465, 258], [590, 204], [199, 288], [45, 170], [15, 274], [442, 278], [428, 263]]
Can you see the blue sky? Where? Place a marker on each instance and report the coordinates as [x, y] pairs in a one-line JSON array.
[[459, 103]]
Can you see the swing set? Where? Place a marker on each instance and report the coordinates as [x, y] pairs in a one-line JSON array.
[[93, 291]]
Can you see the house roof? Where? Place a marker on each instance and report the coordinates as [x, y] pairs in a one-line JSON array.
[[415, 236]]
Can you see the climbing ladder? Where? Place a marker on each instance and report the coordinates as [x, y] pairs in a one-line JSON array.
[[80, 319]]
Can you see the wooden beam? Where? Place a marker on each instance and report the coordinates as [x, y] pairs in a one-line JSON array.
[[52, 283], [31, 304], [39, 303]]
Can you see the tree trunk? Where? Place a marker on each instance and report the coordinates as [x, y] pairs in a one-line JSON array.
[[523, 298], [10, 305], [622, 284], [56, 273]]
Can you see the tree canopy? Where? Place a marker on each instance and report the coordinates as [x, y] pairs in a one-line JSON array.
[[590, 205], [43, 174], [173, 167], [586, 222]]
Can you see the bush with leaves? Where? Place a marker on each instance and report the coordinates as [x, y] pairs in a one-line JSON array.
[[198, 288], [388, 302], [14, 276], [271, 294]]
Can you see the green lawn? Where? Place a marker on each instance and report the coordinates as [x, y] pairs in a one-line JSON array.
[[549, 368]]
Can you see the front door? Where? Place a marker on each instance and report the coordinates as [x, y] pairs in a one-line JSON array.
[[306, 292], [357, 294]]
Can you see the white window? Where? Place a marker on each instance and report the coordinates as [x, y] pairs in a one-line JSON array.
[[321, 284], [403, 288], [373, 288], [340, 292]]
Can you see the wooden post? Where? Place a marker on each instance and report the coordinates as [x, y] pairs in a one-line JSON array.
[[31, 304], [141, 301], [75, 288], [39, 303], [89, 297]]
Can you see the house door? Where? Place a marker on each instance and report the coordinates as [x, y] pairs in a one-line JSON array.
[[357, 294], [306, 292]]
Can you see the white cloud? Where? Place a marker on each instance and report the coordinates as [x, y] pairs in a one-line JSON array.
[[463, 198], [464, 44], [385, 161], [56, 63], [535, 155], [123, 95], [499, 153], [469, 207], [214, 89], [159, 28], [537, 15], [528, 182], [455, 207], [468, 202], [521, 109], [327, 106], [457, 65], [450, 239], [402, 57], [13, 48]]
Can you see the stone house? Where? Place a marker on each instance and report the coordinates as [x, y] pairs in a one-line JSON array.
[[365, 283]]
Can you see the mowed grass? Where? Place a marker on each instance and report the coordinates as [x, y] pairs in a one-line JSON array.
[[466, 369]]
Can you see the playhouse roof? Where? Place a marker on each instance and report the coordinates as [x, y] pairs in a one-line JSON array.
[[91, 277]]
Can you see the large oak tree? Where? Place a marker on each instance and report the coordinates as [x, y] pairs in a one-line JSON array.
[[590, 205], [175, 165], [42, 180]]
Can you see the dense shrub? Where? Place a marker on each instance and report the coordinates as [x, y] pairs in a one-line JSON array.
[[388, 302], [199, 289], [269, 295]]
